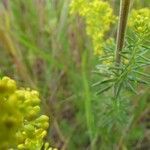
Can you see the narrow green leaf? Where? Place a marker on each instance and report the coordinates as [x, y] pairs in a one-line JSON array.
[[141, 73], [104, 90], [132, 88], [118, 89], [139, 80], [101, 74], [103, 82], [145, 58]]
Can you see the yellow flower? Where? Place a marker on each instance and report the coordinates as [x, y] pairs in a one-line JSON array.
[[139, 21], [98, 16], [20, 119]]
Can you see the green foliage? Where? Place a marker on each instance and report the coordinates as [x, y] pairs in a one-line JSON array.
[[123, 80], [134, 57], [45, 47], [120, 79]]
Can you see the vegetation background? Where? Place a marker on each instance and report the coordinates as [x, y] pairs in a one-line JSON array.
[[43, 47]]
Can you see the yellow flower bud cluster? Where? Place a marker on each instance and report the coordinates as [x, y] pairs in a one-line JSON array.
[[98, 16], [139, 21], [21, 125], [108, 61]]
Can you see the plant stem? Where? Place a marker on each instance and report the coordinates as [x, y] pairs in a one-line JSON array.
[[123, 16], [87, 97]]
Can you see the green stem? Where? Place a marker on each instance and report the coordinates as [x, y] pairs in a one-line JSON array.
[[87, 99]]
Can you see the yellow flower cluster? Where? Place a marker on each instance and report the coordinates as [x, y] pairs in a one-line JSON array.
[[139, 21], [21, 126], [98, 16]]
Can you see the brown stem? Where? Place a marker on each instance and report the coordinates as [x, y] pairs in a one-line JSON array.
[[123, 16]]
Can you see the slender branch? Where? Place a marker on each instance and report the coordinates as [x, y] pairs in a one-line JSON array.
[[123, 16]]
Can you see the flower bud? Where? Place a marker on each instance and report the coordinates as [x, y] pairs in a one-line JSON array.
[[21, 146], [42, 118], [43, 134]]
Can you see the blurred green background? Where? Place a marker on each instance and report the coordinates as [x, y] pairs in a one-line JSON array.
[[43, 47]]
